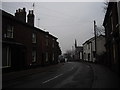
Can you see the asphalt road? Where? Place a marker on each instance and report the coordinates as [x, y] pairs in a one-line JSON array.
[[69, 75]]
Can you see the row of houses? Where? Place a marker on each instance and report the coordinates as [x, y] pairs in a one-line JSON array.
[[105, 49], [24, 45], [90, 52], [112, 35]]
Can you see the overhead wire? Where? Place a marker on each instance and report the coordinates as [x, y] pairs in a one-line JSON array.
[[53, 16]]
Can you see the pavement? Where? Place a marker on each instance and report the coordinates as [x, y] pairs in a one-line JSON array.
[[104, 77], [19, 74]]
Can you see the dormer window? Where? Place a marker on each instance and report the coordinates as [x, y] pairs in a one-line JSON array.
[[9, 33]]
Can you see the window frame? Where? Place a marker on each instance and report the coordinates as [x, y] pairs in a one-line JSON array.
[[10, 31], [46, 59], [8, 58], [34, 37], [34, 55]]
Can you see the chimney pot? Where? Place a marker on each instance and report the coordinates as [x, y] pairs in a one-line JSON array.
[[24, 9], [21, 14], [31, 18]]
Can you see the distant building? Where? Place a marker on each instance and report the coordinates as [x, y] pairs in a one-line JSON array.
[[112, 35], [78, 52], [89, 48], [24, 45]]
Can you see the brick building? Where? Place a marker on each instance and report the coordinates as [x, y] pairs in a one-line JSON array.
[[24, 45], [112, 35]]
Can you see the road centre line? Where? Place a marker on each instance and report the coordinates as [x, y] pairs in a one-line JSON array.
[[52, 78]]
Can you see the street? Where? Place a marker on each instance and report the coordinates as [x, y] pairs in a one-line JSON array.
[[54, 45], [69, 75]]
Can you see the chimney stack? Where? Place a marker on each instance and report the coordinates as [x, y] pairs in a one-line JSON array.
[[21, 14], [30, 18]]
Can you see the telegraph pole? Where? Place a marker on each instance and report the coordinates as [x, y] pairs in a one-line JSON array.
[[95, 40], [118, 8]]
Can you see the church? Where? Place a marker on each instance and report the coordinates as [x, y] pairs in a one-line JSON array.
[[78, 51]]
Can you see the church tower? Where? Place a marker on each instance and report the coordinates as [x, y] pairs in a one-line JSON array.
[[75, 43]]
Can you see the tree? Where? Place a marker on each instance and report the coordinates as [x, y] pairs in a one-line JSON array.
[[105, 6], [100, 30]]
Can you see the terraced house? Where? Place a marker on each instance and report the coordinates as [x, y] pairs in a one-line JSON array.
[[24, 45], [112, 32]]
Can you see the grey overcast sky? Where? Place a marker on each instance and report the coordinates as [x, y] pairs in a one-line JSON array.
[[66, 20]]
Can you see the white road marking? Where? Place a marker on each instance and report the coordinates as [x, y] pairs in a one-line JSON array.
[[52, 78]]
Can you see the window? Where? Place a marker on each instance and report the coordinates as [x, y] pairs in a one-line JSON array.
[[9, 31], [84, 56], [87, 46], [53, 57], [34, 38], [6, 57], [53, 44], [94, 54], [46, 40], [114, 53], [34, 56], [46, 56]]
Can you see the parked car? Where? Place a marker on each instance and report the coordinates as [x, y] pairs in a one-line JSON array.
[[61, 59]]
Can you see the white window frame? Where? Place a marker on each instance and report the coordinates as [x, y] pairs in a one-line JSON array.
[[9, 33], [8, 54]]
